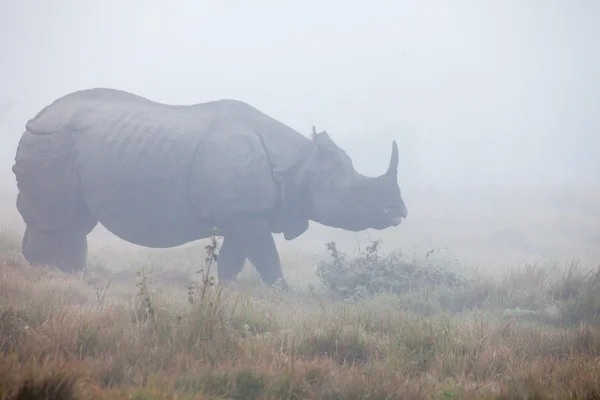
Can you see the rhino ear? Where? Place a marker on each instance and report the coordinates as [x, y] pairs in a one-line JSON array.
[[324, 142], [327, 147]]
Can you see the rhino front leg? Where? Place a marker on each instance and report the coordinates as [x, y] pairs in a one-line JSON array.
[[249, 238], [231, 258], [262, 253]]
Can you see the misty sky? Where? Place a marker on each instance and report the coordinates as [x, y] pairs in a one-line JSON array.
[[473, 91]]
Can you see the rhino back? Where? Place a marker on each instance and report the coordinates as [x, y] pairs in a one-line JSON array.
[[133, 158], [161, 175]]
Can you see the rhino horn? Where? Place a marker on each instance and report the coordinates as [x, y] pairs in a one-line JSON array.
[[393, 167]]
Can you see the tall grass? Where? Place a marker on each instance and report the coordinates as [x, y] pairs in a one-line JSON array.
[[63, 338]]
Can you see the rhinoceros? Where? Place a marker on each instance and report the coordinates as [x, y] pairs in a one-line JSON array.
[[160, 176]]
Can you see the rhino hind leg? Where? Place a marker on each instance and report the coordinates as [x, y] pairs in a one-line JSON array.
[[64, 246], [65, 249], [252, 239], [50, 200]]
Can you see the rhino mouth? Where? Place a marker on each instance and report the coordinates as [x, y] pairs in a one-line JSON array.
[[394, 216], [387, 221], [397, 220]]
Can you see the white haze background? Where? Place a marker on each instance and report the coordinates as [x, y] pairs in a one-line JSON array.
[[495, 105]]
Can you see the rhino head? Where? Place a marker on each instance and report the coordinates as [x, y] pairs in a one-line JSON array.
[[341, 197]]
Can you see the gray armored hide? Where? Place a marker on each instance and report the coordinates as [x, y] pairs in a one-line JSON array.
[[162, 175]]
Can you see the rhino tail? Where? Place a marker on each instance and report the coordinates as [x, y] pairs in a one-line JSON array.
[[47, 180]]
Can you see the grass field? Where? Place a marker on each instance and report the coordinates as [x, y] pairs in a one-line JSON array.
[[111, 334]]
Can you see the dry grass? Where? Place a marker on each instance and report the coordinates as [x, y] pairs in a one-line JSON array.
[[79, 337]]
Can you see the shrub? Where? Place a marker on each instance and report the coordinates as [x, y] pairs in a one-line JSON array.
[[372, 273]]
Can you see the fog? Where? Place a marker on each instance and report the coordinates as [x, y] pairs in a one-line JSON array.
[[495, 105]]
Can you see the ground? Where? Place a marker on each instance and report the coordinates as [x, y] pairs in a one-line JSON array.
[[135, 326]]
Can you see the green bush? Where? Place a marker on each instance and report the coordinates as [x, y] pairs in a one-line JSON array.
[[373, 273]]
